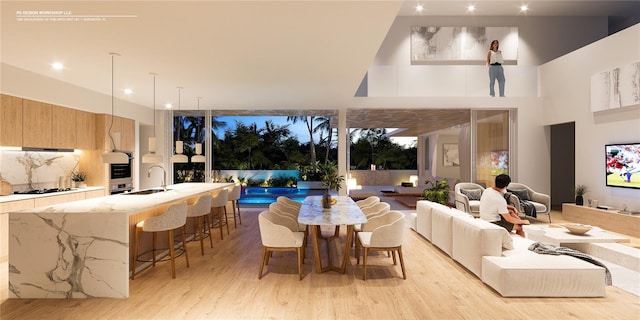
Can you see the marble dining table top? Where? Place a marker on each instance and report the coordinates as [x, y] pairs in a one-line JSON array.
[[344, 211]]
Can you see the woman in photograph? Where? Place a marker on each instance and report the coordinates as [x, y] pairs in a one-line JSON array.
[[494, 61]]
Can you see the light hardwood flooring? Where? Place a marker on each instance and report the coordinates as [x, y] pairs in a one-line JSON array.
[[223, 284]]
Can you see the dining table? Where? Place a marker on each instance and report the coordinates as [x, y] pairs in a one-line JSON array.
[[343, 211]]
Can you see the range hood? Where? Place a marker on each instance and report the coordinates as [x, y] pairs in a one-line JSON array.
[[32, 149]]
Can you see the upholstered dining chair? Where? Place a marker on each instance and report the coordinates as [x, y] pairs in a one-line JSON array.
[[382, 233], [467, 197], [292, 216], [174, 218], [368, 201], [276, 235], [370, 212], [287, 201], [199, 211], [219, 211], [234, 195]]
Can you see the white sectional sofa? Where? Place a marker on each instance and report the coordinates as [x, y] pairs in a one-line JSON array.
[[502, 260]]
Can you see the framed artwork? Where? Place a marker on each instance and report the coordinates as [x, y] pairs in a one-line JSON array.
[[616, 88], [465, 45], [450, 155]]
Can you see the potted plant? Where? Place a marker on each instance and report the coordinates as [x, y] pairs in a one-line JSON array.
[[579, 192], [438, 192], [331, 180], [79, 177]]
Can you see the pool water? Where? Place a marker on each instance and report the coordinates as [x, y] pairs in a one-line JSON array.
[[260, 195]]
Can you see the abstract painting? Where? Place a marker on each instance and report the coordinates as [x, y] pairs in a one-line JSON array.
[[461, 44], [616, 88], [450, 155]]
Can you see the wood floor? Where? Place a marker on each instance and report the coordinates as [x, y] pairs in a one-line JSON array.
[[223, 284]]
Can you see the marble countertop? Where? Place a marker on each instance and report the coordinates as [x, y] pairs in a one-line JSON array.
[[127, 203], [18, 197]]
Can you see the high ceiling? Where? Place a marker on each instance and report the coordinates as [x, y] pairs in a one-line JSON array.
[[248, 55]]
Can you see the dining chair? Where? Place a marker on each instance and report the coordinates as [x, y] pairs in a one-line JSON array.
[[368, 201], [287, 201], [370, 212], [199, 211], [292, 216], [174, 218], [382, 233], [277, 234]]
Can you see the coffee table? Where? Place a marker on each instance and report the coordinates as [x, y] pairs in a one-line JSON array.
[[559, 235]]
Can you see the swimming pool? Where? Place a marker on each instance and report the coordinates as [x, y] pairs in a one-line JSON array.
[[260, 195]]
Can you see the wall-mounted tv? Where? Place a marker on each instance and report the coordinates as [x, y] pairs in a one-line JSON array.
[[623, 165]]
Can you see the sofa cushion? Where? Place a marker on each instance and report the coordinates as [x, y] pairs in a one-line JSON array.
[[475, 238], [523, 194], [472, 194], [542, 275], [423, 218], [441, 234]]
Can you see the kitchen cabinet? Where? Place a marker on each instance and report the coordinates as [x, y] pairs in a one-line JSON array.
[[58, 199], [63, 127], [94, 194], [122, 127], [36, 119], [85, 130], [10, 121]]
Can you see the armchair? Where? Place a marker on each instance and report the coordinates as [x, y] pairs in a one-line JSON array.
[[463, 191], [542, 202]]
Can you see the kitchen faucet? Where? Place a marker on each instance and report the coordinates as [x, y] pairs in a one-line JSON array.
[[164, 179]]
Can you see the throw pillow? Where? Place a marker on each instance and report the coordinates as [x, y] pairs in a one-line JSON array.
[[522, 194], [472, 194]]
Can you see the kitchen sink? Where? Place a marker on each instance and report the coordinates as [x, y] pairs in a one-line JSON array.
[[147, 191]]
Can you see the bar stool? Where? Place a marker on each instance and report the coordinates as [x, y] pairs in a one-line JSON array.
[[234, 196], [175, 217], [219, 211], [199, 211]]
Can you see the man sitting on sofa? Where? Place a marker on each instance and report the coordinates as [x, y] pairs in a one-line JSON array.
[[494, 208]]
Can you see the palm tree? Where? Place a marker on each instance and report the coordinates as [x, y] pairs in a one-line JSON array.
[[308, 121], [325, 125]]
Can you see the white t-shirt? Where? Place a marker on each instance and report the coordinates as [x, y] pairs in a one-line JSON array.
[[496, 57], [492, 204]]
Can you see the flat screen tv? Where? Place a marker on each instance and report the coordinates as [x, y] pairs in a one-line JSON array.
[[623, 165]]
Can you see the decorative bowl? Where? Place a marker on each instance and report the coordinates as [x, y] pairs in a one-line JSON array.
[[577, 228]]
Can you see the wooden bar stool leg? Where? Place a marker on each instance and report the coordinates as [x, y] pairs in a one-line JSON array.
[[184, 244], [135, 252], [226, 221], [153, 248], [207, 230], [172, 253], [237, 205], [200, 228]]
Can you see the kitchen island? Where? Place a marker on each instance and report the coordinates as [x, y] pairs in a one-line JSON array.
[[81, 249]]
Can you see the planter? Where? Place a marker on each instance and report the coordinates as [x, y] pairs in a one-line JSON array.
[[312, 185], [579, 200], [326, 200]]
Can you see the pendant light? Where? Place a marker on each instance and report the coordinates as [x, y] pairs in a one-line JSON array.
[[198, 157], [152, 157], [179, 157], [113, 156]]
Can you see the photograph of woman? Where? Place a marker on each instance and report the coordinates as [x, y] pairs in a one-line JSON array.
[[496, 72]]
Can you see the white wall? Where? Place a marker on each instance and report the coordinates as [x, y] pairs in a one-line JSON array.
[[565, 86]]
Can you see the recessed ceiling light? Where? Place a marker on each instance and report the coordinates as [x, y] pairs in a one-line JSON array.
[[168, 106], [524, 8], [471, 8], [419, 8], [128, 91], [57, 66]]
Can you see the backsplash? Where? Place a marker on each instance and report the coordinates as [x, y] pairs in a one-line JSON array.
[[27, 170]]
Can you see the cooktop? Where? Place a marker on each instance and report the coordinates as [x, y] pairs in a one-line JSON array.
[[41, 191]]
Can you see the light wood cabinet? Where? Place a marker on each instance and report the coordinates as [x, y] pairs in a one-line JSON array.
[[63, 127], [128, 135], [610, 220], [36, 124], [58, 199], [94, 194], [85, 130], [10, 121]]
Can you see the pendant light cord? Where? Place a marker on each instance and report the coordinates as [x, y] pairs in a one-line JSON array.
[[113, 144]]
